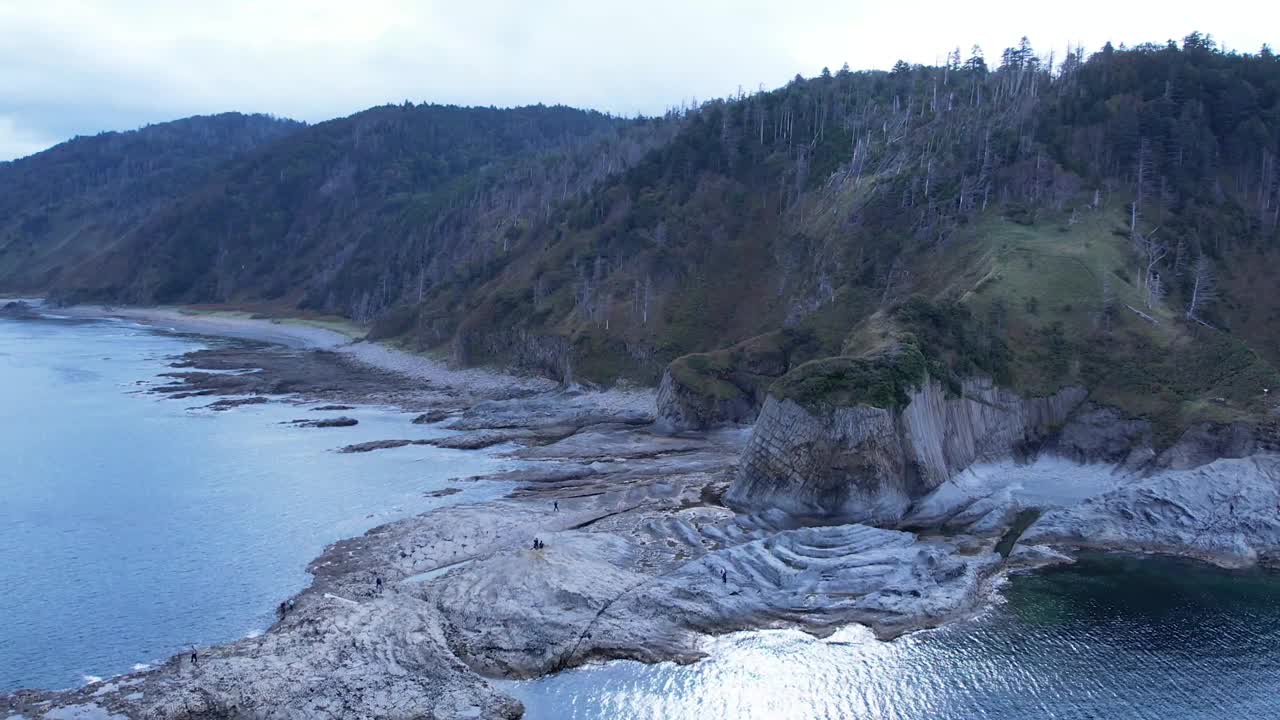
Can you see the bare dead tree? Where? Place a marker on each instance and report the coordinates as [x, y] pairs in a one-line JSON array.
[[1204, 289], [1108, 302], [1152, 252]]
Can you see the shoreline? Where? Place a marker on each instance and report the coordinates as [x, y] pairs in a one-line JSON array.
[[635, 535]]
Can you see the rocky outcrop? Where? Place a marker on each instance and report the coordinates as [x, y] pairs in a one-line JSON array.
[[1204, 443], [635, 560], [1097, 434], [868, 463], [1225, 512], [431, 416], [682, 407], [727, 386]]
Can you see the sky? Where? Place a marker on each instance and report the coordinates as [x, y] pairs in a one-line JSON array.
[[78, 67]]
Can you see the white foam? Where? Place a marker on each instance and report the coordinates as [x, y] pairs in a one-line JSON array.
[[139, 667], [90, 679]]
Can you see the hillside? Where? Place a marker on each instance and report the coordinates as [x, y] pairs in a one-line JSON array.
[[67, 204], [812, 207], [354, 215], [1108, 221]]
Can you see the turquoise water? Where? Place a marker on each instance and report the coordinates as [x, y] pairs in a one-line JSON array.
[[1112, 637], [132, 527]]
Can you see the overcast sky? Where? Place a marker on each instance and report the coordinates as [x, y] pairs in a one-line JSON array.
[[71, 67]]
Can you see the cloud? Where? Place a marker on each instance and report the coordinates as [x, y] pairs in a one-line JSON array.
[[79, 67], [16, 141]]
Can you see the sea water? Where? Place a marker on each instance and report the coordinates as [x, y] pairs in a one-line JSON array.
[[132, 527], [1113, 637]]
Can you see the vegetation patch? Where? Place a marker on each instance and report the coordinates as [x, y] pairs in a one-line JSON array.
[[883, 381]]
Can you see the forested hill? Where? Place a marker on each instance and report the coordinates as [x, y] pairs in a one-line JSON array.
[[351, 215], [1108, 220], [77, 198]]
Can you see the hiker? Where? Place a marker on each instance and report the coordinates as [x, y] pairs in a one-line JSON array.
[[378, 586], [557, 506], [282, 610], [535, 543], [195, 658], [724, 576]]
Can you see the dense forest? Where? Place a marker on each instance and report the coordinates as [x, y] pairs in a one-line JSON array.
[[1108, 219], [80, 198]]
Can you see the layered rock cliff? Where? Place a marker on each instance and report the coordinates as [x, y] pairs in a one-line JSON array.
[[869, 463]]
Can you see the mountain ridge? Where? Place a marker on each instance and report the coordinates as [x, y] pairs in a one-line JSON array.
[[1036, 211]]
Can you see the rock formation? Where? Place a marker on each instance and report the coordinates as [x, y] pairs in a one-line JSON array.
[[1226, 512], [868, 463]]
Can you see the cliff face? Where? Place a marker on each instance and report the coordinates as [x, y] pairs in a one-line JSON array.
[[681, 407], [870, 463]]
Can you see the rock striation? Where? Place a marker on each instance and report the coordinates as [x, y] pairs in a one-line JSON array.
[[869, 463], [1226, 512]]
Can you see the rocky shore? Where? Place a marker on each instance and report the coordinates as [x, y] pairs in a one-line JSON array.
[[616, 540]]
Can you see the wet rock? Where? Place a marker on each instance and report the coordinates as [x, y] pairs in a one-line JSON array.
[[480, 439], [1030, 557], [228, 403], [326, 422], [379, 445], [331, 408], [18, 309], [431, 416]]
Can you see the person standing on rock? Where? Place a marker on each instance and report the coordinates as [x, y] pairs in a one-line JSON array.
[[195, 657], [724, 576], [378, 586], [557, 505]]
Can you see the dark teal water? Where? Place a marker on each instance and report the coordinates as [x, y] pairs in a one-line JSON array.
[[1112, 637], [131, 527]]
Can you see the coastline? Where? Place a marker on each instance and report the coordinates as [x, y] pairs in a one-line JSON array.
[[636, 538]]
